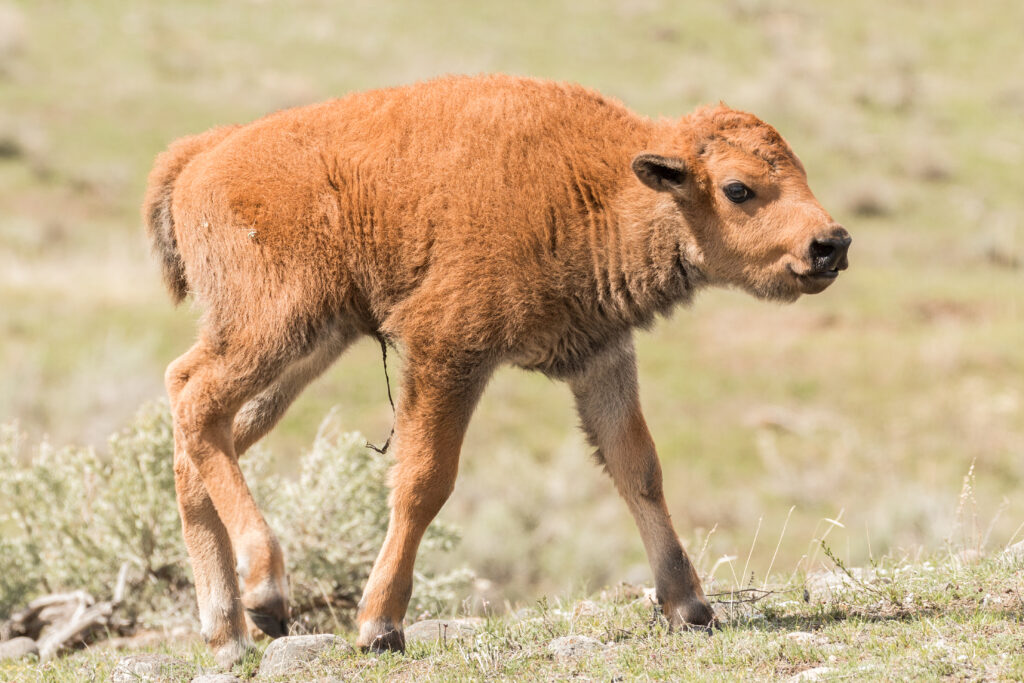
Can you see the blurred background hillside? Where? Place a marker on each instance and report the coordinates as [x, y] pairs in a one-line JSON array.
[[866, 404]]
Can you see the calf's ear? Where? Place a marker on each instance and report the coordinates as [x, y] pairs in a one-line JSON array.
[[662, 174]]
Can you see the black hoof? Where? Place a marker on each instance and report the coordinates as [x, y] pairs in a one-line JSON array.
[[706, 629], [695, 616], [391, 640], [274, 626]]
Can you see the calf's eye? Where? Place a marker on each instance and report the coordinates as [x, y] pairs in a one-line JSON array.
[[737, 193]]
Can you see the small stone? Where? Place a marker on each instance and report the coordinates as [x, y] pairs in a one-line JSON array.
[[1013, 554], [150, 668], [811, 674], [216, 678], [16, 648], [572, 647], [442, 630], [293, 654], [802, 637]]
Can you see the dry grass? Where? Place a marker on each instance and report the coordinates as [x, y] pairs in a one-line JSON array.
[[923, 619]]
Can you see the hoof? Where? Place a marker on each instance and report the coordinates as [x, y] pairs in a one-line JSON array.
[[273, 625], [381, 636], [231, 653], [692, 615], [267, 609]]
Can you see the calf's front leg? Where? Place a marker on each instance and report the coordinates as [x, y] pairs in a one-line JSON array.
[[608, 402], [433, 412]]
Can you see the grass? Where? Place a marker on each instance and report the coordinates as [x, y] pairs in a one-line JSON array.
[[868, 401], [899, 620]]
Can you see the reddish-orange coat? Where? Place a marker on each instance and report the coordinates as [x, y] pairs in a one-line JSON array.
[[474, 221]]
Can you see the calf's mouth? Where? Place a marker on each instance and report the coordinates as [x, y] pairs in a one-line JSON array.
[[814, 281]]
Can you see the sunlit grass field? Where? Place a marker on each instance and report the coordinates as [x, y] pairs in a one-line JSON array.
[[865, 405], [923, 621]]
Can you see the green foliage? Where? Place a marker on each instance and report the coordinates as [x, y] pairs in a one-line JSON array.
[[73, 517]]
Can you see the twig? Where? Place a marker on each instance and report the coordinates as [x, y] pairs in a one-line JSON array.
[[756, 595], [859, 582], [122, 581], [75, 630]]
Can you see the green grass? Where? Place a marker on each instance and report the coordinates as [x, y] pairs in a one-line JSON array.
[[927, 619], [870, 401]]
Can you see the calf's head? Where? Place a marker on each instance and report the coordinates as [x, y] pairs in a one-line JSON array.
[[738, 197]]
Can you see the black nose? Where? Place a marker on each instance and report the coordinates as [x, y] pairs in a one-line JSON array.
[[829, 253]]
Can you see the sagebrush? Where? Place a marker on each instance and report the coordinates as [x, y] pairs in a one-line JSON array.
[[73, 517]]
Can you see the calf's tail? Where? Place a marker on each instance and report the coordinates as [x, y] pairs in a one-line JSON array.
[[156, 207]]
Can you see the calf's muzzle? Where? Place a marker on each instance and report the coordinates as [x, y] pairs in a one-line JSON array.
[[827, 253]]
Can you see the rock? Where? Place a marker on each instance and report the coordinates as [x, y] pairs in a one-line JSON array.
[[572, 647], [216, 678], [1013, 554], [815, 674], [16, 648], [442, 630], [293, 654], [149, 668], [805, 638]]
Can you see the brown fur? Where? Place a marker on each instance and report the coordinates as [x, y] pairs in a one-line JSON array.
[[475, 221]]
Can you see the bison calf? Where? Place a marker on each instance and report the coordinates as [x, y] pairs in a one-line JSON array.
[[474, 221]]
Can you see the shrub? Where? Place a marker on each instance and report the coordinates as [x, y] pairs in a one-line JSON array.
[[71, 518], [331, 520]]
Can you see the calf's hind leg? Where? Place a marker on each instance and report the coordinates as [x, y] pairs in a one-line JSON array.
[[265, 597], [609, 406], [206, 539], [260, 413], [220, 519], [433, 410]]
